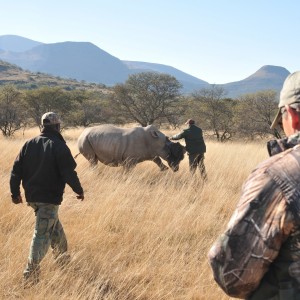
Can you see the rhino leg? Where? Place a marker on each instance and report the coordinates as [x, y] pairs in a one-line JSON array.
[[129, 164], [86, 149], [160, 164], [93, 161], [92, 158]]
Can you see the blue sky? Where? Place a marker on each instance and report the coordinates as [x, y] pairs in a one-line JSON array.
[[218, 41]]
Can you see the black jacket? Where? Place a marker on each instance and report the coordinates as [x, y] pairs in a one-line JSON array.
[[193, 139], [44, 165]]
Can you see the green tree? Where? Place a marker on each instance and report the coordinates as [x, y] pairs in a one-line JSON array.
[[147, 98], [47, 99], [87, 108]]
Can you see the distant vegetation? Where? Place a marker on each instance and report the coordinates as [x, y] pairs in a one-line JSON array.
[[145, 98]]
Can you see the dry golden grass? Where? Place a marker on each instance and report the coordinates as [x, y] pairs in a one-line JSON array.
[[142, 235]]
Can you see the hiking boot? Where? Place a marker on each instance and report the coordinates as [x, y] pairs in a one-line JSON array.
[[31, 276]]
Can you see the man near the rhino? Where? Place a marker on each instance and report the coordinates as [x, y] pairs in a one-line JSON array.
[[44, 166], [195, 146], [258, 256]]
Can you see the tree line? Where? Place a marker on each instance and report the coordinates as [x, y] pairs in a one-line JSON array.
[[145, 98]]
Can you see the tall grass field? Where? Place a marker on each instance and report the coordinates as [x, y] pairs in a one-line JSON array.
[[138, 235]]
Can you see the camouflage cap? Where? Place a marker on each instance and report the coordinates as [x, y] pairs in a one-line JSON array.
[[50, 118], [290, 93]]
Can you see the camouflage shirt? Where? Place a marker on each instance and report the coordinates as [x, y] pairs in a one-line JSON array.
[[262, 240]]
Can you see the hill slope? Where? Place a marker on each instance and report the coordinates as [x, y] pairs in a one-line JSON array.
[[12, 74], [16, 43], [189, 82], [266, 78], [78, 60], [85, 61]]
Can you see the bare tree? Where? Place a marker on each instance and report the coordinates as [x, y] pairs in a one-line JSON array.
[[11, 112], [148, 97], [214, 112], [256, 112]]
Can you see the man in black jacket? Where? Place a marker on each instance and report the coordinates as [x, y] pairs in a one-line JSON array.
[[44, 166], [195, 146]]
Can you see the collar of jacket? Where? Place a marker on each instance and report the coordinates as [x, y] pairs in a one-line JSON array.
[[50, 132], [278, 146]]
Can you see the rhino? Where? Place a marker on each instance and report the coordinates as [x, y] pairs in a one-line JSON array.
[[115, 146]]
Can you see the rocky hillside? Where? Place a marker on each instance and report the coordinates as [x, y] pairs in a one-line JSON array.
[[12, 74]]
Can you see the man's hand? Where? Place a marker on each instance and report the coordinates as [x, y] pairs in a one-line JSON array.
[[16, 199], [80, 197]]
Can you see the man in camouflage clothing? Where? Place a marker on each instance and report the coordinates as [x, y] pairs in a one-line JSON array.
[[258, 256], [44, 165], [195, 146]]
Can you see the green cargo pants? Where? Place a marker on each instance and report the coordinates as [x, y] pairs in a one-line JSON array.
[[48, 231]]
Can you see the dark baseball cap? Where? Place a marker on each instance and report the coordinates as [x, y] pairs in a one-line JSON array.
[[290, 93], [190, 122]]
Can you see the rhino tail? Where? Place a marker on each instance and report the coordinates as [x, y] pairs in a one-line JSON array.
[[76, 155]]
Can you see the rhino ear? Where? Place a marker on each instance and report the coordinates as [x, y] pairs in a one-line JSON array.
[[154, 134]]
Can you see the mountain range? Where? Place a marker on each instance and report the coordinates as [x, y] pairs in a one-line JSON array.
[[85, 61]]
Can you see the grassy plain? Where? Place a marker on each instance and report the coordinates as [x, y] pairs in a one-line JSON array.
[[142, 235]]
